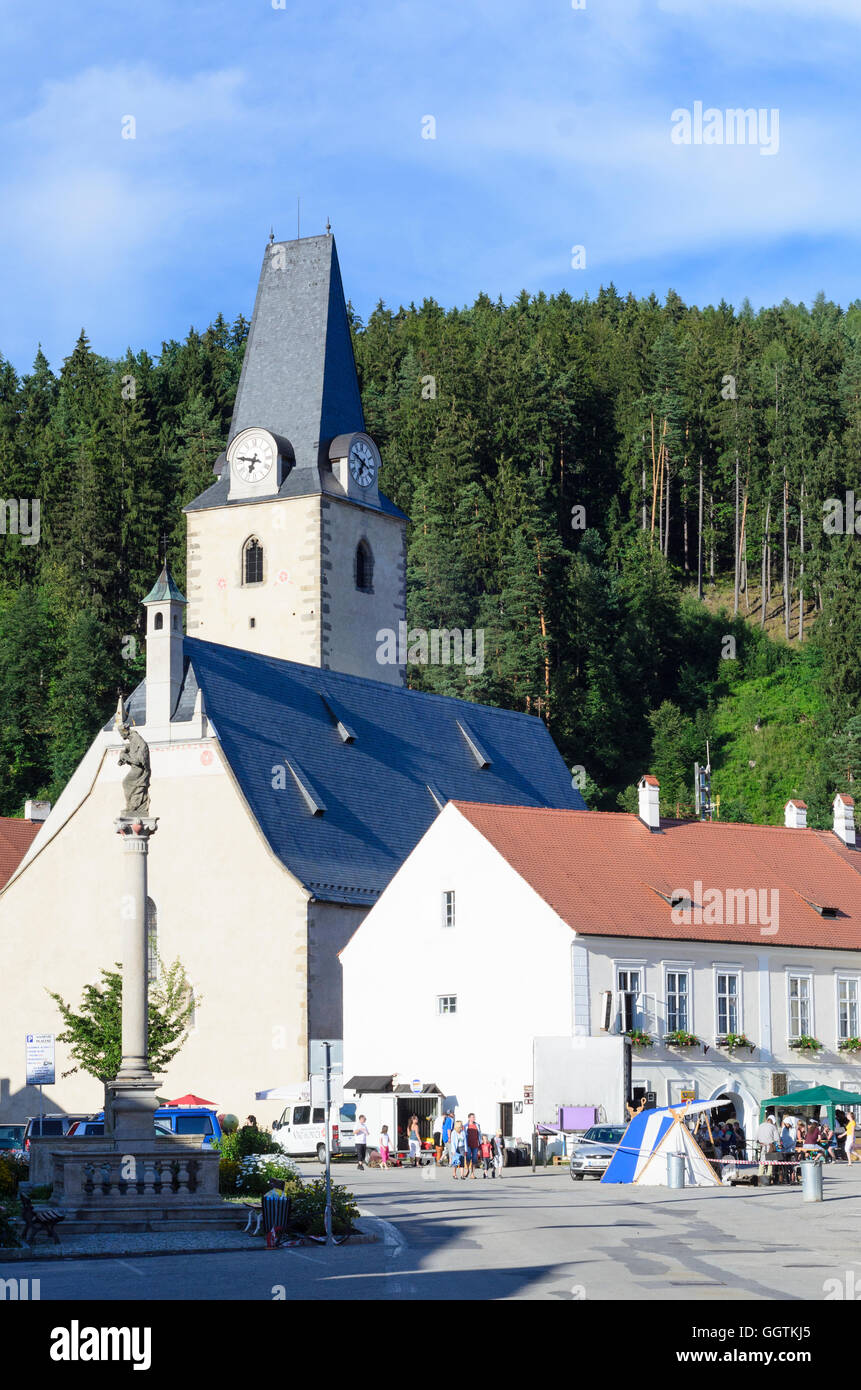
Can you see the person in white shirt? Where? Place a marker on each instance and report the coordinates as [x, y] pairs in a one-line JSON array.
[[361, 1134], [768, 1137]]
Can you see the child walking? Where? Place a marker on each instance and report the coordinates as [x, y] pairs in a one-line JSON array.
[[384, 1147], [486, 1157]]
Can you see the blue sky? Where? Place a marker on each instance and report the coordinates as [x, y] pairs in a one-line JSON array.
[[553, 129]]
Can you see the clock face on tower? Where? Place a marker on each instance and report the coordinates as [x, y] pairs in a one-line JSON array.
[[252, 455], [363, 464]]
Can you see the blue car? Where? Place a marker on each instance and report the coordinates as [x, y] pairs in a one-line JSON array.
[[169, 1120]]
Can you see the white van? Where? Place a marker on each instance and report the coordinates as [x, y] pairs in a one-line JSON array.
[[301, 1130]]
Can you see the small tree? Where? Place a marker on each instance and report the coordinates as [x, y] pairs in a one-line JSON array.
[[94, 1033]]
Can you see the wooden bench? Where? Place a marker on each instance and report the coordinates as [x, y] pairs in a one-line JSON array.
[[41, 1219]]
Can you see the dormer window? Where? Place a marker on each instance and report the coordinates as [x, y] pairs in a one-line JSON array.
[[159, 622], [253, 562], [364, 568]]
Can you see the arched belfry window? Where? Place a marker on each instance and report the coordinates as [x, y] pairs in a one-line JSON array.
[[364, 567], [252, 571], [159, 622], [151, 941]]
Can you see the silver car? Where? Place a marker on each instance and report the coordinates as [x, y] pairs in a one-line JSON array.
[[593, 1151]]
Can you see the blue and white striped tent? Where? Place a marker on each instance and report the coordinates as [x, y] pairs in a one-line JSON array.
[[650, 1137]]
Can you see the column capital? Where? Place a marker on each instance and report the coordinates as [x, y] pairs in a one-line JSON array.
[[136, 830]]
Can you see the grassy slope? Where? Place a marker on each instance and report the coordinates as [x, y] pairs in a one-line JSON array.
[[787, 707]]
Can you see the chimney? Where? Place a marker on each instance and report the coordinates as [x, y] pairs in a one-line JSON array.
[[795, 815], [844, 818], [649, 810], [40, 810]]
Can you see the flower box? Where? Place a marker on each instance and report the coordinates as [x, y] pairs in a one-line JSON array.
[[681, 1039], [733, 1042], [849, 1045], [805, 1044], [639, 1038]]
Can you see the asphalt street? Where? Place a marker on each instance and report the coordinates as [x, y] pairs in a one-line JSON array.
[[523, 1236]]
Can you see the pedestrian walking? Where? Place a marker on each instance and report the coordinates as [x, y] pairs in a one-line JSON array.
[[414, 1140], [447, 1127], [384, 1146], [437, 1137], [849, 1141], [457, 1149], [787, 1144], [473, 1144], [486, 1156], [498, 1153], [361, 1134], [767, 1137]]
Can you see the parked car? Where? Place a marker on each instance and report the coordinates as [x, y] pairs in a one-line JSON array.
[[49, 1127], [86, 1127], [169, 1120], [12, 1137], [593, 1151]]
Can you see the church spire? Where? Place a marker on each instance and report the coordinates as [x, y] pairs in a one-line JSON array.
[[299, 376]]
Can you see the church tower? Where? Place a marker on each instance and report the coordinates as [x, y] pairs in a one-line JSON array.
[[294, 552]]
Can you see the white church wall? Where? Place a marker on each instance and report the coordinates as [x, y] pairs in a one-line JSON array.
[[507, 961], [226, 907]]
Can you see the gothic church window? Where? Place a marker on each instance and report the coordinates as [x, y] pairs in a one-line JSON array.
[[253, 562], [364, 567]]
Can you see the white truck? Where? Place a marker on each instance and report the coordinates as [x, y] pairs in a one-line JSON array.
[[301, 1128]]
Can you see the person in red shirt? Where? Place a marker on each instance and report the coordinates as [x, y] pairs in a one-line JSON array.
[[487, 1156], [473, 1145]]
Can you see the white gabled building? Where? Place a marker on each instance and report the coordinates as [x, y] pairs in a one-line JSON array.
[[516, 947]]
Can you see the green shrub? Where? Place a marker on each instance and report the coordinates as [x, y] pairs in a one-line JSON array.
[[308, 1209], [237, 1144], [228, 1172], [12, 1171], [8, 1233]]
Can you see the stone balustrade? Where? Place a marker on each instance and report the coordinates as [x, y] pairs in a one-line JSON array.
[[162, 1180]]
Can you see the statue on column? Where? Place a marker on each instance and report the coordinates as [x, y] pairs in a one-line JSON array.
[[135, 755]]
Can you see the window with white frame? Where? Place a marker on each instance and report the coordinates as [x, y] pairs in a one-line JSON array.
[[678, 1000], [446, 1003], [448, 908], [847, 1007], [800, 1006], [727, 1012], [628, 985]]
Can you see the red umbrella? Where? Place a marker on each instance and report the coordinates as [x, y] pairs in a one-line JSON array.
[[192, 1100]]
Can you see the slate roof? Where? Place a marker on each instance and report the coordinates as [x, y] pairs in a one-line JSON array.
[[371, 792], [298, 372], [603, 872], [16, 837]]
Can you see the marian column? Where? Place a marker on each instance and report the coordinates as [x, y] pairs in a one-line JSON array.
[[135, 1087]]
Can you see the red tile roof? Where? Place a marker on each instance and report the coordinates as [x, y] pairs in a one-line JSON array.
[[603, 872], [16, 837]]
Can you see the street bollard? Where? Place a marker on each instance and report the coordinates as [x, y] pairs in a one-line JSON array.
[[675, 1170], [811, 1181]]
